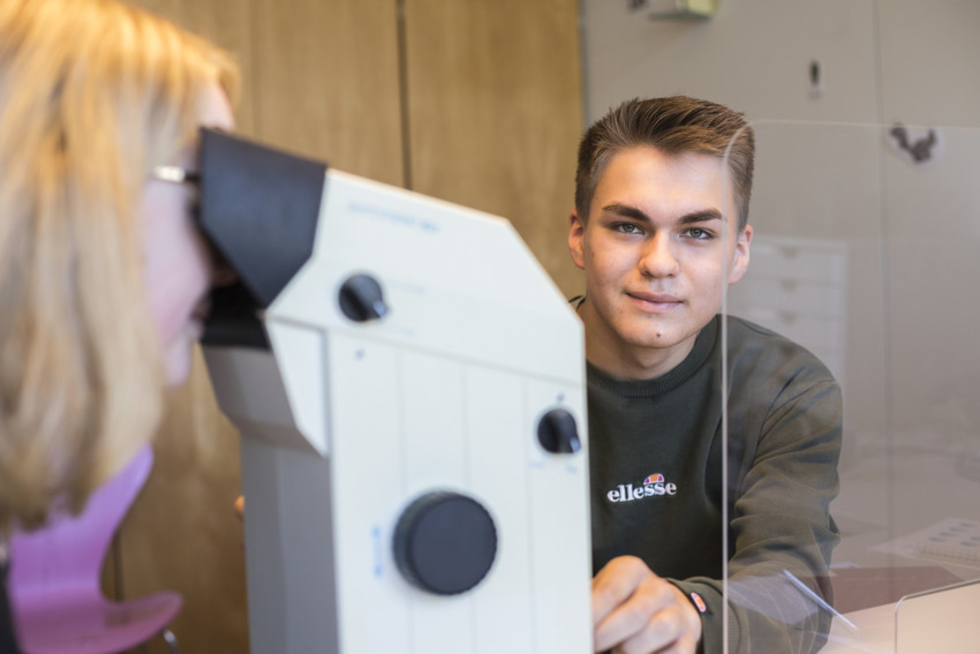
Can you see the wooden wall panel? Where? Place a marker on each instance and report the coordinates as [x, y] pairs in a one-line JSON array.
[[320, 78], [494, 90], [327, 75], [182, 533], [227, 23]]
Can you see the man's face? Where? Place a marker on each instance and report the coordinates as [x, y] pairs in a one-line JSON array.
[[656, 249]]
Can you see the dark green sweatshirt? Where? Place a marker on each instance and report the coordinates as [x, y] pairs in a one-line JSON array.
[[656, 474]]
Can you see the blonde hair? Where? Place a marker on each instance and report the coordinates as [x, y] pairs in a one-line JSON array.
[[93, 94]]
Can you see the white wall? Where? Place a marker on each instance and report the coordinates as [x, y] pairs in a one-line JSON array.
[[912, 232], [755, 55]]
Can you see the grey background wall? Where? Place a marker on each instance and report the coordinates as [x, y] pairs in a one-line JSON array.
[[910, 361], [881, 60]]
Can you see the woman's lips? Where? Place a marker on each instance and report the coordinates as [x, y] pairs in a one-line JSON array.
[[202, 310], [199, 318], [196, 328]]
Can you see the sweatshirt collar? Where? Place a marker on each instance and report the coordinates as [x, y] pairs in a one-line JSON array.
[[703, 346]]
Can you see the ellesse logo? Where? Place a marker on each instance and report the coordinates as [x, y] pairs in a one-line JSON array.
[[652, 486]]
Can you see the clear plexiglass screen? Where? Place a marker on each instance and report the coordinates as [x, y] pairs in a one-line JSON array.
[[853, 393]]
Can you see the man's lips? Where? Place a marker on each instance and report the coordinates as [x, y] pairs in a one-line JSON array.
[[654, 301]]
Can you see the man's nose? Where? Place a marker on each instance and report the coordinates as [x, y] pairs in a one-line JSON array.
[[658, 258]]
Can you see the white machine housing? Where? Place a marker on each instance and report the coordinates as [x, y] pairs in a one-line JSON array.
[[345, 423]]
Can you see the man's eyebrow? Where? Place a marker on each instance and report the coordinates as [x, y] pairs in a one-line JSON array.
[[626, 211], [702, 216]]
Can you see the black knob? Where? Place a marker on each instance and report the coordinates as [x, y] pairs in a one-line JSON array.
[[558, 433], [361, 299], [445, 543]]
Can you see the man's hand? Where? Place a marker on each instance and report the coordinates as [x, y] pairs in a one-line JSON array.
[[636, 612]]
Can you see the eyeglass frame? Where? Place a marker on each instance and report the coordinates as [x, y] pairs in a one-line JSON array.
[[175, 174]]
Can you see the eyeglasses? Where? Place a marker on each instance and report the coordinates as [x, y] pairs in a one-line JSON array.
[[176, 175]]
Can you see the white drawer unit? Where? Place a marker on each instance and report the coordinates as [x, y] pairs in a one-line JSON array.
[[798, 288]]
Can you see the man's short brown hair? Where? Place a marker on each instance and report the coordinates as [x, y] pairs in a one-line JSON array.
[[674, 125]]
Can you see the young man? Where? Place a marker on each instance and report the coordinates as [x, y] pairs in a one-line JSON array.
[[660, 228]]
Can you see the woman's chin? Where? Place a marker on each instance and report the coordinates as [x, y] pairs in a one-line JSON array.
[[177, 374], [177, 361]]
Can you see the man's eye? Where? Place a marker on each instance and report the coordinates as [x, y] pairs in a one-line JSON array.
[[627, 228], [699, 234]]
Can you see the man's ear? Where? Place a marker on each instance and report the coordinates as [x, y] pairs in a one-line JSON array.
[[740, 262], [576, 239]]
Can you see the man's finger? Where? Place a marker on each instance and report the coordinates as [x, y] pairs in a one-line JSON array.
[[615, 583], [646, 618]]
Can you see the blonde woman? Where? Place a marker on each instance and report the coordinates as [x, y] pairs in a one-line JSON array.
[[103, 273]]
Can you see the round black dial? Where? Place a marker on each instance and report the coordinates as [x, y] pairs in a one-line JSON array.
[[361, 298], [558, 432], [445, 543]]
